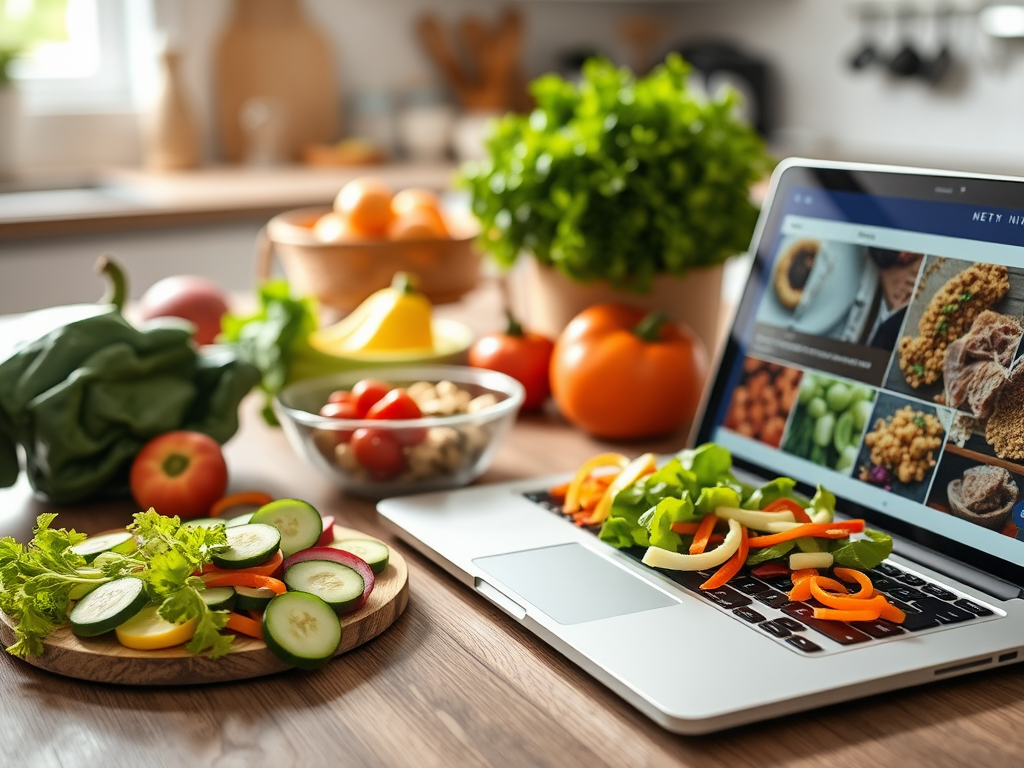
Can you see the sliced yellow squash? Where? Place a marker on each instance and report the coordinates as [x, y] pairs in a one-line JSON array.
[[148, 631]]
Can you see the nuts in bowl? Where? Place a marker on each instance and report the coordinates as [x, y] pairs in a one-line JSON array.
[[420, 429]]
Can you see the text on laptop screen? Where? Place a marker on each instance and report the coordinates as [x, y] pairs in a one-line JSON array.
[[880, 356]]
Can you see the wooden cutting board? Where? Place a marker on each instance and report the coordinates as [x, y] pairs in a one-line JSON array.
[[269, 50], [104, 660]]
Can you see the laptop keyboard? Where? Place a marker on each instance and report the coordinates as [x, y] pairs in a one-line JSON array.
[[765, 607]]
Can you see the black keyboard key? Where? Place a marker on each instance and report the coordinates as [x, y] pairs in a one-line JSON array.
[[772, 599], [690, 580], [785, 585], [887, 569], [749, 614], [902, 606], [775, 628], [791, 624], [727, 597], [884, 583], [878, 628], [915, 622], [911, 580], [974, 608], [748, 585], [943, 612], [842, 633], [906, 593], [936, 591], [802, 643]]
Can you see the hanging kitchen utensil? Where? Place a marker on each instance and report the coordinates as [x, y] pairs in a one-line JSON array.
[[868, 54], [907, 62], [936, 69]]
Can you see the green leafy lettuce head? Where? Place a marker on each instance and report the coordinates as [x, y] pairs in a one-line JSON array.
[[619, 178]]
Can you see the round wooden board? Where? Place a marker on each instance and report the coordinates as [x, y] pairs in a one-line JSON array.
[[104, 660]]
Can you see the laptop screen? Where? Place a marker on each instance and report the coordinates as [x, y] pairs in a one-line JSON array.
[[876, 351]]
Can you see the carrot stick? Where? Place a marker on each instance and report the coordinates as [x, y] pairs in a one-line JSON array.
[[685, 528], [559, 491], [867, 589], [239, 579], [265, 568], [244, 625], [779, 505], [253, 498], [832, 614], [816, 530], [700, 538], [731, 567]]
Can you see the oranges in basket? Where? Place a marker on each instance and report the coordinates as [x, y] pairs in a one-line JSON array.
[[367, 209]]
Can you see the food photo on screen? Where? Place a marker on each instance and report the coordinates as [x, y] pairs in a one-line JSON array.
[[762, 400]]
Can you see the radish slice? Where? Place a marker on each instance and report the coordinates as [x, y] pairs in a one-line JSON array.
[[338, 556], [328, 535]]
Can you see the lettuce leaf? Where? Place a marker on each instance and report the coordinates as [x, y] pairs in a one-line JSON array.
[[670, 511], [712, 498], [709, 463], [864, 554], [765, 554], [823, 501], [779, 488]]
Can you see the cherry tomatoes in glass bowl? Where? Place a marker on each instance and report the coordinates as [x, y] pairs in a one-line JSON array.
[[432, 428]]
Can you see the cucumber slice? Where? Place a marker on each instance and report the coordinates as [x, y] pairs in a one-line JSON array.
[[82, 589], [253, 598], [375, 553], [337, 585], [301, 629], [121, 542], [205, 522], [299, 523], [248, 545], [219, 598], [240, 520], [108, 606]]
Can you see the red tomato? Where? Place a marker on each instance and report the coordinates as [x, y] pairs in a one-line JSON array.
[[397, 404], [343, 410], [379, 451], [339, 396], [523, 355], [367, 392], [179, 473]]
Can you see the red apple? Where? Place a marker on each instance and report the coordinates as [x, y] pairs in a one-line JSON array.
[[179, 473], [193, 298]]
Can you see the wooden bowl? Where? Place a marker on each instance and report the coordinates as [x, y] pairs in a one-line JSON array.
[[994, 520], [342, 275]]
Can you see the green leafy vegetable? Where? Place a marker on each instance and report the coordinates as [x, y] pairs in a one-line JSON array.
[[36, 579], [712, 498], [619, 178], [667, 512], [823, 501], [709, 462], [764, 554], [864, 554], [779, 488]]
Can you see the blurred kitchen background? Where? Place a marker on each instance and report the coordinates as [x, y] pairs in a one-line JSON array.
[[169, 131]]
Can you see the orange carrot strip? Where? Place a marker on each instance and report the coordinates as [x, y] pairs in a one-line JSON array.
[[816, 530], [700, 538], [843, 602], [732, 565], [685, 528], [892, 613], [867, 589], [244, 625], [266, 568], [779, 505], [572, 494], [803, 573], [801, 591], [239, 579], [253, 498], [559, 491], [832, 614]]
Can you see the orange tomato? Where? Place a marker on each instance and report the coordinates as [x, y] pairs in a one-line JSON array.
[[365, 204], [332, 228], [618, 373], [413, 199], [418, 224]]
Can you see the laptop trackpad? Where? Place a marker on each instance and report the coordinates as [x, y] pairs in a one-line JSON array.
[[572, 585]]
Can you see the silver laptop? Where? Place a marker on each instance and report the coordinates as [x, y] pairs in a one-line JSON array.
[[883, 307]]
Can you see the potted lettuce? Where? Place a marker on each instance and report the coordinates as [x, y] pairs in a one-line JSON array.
[[619, 184]]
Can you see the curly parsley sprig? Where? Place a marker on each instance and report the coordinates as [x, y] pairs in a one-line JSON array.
[[36, 579]]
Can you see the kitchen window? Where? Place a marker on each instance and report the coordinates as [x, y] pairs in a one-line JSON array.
[[77, 53]]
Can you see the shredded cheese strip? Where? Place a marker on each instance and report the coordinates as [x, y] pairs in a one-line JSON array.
[[754, 519], [640, 466], [656, 557]]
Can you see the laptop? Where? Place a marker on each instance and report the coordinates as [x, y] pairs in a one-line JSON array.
[[883, 307]]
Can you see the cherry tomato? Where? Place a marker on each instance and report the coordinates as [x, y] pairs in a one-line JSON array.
[[379, 451], [340, 410], [367, 392], [523, 355], [339, 396], [397, 404], [179, 473]]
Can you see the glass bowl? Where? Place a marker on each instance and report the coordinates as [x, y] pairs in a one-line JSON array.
[[438, 451]]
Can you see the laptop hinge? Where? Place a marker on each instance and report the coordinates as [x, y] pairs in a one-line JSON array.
[[990, 585]]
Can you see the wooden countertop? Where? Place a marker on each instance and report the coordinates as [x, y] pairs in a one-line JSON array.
[[116, 199], [455, 681]]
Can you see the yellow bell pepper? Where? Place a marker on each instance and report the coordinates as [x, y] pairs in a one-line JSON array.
[[392, 319]]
